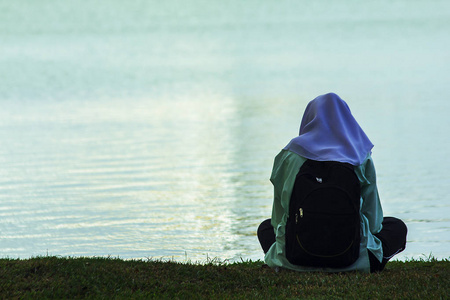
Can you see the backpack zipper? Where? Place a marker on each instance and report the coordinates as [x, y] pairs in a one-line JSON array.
[[300, 213]]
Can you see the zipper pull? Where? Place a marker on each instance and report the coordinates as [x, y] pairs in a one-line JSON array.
[[296, 218], [301, 212]]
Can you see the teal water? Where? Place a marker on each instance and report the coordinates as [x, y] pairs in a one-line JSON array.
[[147, 129]]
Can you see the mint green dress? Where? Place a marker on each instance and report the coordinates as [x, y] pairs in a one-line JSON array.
[[285, 169]]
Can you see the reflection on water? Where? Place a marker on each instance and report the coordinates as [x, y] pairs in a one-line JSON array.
[[151, 181], [144, 132]]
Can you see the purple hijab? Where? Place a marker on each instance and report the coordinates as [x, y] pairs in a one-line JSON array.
[[330, 132]]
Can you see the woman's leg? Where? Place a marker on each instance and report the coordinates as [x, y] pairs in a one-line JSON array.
[[393, 240], [266, 235]]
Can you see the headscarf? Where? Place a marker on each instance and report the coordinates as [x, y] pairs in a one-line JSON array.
[[329, 132]]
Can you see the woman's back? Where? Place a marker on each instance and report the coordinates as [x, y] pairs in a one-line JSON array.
[[329, 132]]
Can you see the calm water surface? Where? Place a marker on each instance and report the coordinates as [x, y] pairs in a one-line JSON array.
[[149, 129]]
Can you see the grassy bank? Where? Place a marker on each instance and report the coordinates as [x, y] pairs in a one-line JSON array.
[[62, 278]]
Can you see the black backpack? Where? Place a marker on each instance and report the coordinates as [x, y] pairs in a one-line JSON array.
[[323, 226]]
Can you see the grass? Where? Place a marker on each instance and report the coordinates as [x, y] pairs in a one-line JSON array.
[[104, 278]]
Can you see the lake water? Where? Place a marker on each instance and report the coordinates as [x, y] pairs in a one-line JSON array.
[[148, 128]]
